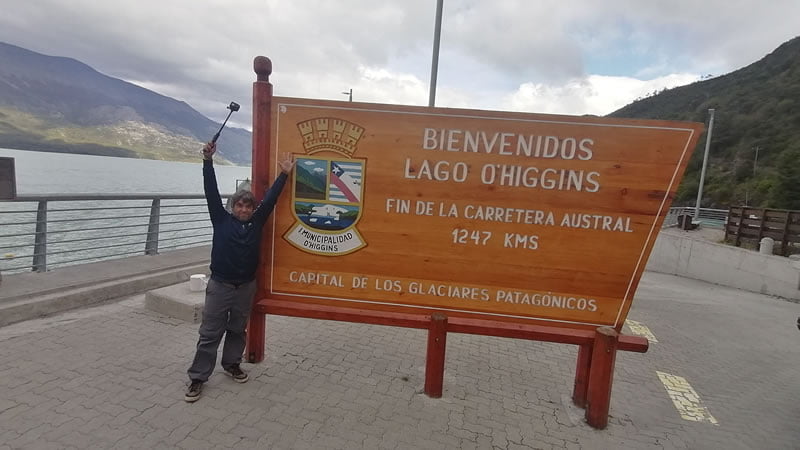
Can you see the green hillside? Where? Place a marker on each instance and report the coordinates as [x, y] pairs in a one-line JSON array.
[[757, 112], [131, 139]]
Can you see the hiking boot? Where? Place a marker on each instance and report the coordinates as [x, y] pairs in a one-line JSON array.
[[236, 372], [193, 392]]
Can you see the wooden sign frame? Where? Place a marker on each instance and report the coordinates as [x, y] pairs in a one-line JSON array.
[[338, 131]]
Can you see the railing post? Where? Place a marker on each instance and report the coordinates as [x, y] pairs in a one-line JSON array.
[[40, 239], [151, 244]]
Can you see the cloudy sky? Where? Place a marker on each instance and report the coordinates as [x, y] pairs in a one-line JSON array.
[[553, 56]]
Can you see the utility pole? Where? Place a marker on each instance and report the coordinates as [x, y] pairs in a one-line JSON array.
[[437, 34], [349, 93], [755, 162], [705, 164], [747, 191]]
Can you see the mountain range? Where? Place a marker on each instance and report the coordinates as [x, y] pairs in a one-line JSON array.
[[754, 152], [58, 104]]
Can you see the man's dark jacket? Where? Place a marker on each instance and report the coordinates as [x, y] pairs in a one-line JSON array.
[[236, 244]]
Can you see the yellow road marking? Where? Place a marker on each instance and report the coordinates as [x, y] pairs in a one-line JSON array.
[[685, 399], [640, 330]]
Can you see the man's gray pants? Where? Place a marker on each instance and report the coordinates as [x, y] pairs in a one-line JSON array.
[[226, 311]]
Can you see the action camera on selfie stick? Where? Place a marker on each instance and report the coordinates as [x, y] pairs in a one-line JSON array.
[[233, 107]]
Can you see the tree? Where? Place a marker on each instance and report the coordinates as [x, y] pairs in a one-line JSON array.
[[785, 192]]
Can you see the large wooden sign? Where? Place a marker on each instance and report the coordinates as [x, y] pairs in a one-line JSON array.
[[508, 216]]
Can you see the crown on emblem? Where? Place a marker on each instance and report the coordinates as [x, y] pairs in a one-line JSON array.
[[327, 133]]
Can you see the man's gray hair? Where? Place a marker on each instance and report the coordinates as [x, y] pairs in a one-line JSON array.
[[243, 196]]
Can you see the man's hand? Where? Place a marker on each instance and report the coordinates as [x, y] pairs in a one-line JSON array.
[[209, 150], [287, 163]]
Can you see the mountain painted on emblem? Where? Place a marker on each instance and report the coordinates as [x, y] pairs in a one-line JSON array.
[[310, 179]]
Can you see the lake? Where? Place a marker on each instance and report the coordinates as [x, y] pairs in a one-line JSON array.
[[51, 173], [80, 232]]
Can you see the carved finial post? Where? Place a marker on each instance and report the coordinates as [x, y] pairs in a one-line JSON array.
[[263, 68], [262, 119]]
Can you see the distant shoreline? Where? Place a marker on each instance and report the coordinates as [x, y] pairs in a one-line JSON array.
[[218, 161]]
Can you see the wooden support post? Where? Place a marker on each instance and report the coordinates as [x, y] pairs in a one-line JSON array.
[[601, 377], [739, 228], [761, 225], [434, 363], [785, 239], [582, 375], [728, 223], [262, 121], [256, 336]]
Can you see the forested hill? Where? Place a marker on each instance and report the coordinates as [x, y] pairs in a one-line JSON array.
[[757, 112], [58, 104]]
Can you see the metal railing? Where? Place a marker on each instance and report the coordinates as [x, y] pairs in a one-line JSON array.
[[711, 218], [39, 232]]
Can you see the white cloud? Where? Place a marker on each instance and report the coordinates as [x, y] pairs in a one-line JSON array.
[[571, 57], [597, 95]]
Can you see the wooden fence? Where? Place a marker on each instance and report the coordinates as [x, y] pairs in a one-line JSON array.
[[752, 224]]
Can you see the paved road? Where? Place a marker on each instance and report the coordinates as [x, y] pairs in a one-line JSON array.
[[112, 376]]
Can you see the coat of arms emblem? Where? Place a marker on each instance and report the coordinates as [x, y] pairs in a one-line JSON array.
[[327, 193]]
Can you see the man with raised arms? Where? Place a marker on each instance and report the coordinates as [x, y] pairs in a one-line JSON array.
[[234, 258]]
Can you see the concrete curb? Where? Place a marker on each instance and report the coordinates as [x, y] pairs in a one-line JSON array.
[[177, 301], [34, 306]]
